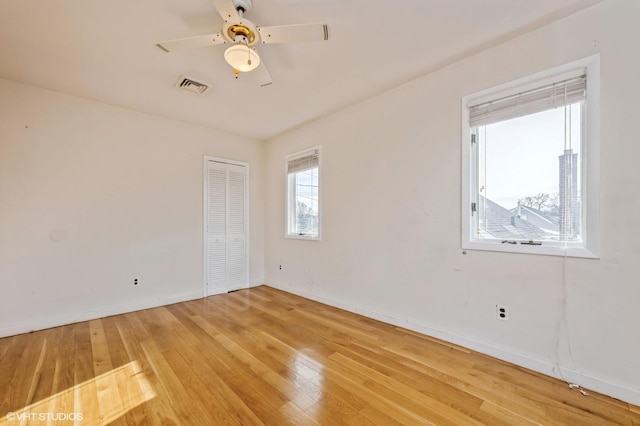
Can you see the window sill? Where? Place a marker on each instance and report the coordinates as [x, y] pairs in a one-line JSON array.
[[544, 250], [303, 237]]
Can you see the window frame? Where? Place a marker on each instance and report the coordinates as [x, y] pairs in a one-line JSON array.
[[590, 164], [290, 195]]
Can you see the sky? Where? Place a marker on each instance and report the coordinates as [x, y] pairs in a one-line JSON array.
[[519, 157]]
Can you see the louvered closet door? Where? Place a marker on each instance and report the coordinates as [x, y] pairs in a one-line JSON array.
[[227, 222], [236, 247], [217, 228]]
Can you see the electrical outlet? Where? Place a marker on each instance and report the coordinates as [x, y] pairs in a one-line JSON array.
[[281, 267], [136, 281], [502, 312]]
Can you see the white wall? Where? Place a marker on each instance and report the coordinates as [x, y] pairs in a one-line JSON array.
[[392, 229], [127, 190]]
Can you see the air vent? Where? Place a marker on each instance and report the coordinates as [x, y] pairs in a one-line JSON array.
[[191, 85]]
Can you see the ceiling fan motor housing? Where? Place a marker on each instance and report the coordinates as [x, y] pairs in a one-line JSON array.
[[246, 28], [245, 32]]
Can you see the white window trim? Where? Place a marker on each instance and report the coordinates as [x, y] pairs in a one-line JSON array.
[[590, 247], [287, 192]]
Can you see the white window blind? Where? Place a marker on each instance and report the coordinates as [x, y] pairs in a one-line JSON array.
[[559, 94], [307, 161]]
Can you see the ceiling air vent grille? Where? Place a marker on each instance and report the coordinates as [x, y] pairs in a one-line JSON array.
[[191, 85]]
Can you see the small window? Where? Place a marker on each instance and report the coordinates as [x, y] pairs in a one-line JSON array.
[[530, 167], [303, 194]]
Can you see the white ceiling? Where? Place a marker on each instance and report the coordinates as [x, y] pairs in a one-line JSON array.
[[105, 50]]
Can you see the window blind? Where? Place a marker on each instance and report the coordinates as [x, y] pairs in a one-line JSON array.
[[551, 96], [306, 162]]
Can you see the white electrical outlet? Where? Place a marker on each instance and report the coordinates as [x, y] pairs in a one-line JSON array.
[[502, 312]]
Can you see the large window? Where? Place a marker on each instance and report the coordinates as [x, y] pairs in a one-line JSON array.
[[530, 167], [303, 194]]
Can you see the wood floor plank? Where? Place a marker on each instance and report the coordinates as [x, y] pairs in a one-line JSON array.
[[410, 398], [63, 352], [506, 415], [214, 410], [262, 356], [546, 389], [475, 383], [344, 407], [171, 387], [158, 410], [84, 372], [207, 368], [119, 357], [41, 377], [261, 396], [107, 390]]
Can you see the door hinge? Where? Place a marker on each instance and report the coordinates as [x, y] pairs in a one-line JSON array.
[[473, 208]]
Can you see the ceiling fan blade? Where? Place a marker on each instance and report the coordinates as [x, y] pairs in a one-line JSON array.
[[227, 10], [294, 33], [191, 42], [262, 76]]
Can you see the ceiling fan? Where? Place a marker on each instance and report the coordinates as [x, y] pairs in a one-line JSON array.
[[244, 35]]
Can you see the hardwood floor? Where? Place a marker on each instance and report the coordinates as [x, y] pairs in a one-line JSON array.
[[264, 356]]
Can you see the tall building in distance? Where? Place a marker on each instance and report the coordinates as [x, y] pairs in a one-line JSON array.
[[569, 209]]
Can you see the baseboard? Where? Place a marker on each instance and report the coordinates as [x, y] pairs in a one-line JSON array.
[[105, 311], [586, 381]]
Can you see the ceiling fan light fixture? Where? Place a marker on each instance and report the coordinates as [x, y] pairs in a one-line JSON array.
[[242, 58]]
